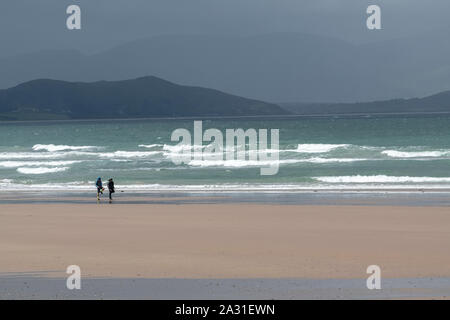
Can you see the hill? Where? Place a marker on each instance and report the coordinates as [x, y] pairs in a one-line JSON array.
[[436, 103], [143, 97]]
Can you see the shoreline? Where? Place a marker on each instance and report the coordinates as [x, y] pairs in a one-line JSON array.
[[413, 198], [235, 190]]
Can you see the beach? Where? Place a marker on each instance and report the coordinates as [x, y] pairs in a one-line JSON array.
[[213, 247], [297, 151], [225, 240], [349, 193]]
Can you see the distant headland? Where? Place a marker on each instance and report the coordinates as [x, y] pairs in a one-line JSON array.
[[146, 97]]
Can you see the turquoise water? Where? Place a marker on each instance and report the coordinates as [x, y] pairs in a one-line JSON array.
[[375, 153]]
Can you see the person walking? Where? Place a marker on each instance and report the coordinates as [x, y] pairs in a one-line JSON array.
[[100, 188], [111, 188]]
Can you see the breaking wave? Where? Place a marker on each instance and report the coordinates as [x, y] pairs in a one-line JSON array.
[[41, 170], [253, 163], [53, 148], [381, 179], [319, 148], [16, 164], [42, 155], [129, 154], [417, 154], [150, 146]]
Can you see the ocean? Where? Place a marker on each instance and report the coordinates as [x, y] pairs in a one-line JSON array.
[[321, 154]]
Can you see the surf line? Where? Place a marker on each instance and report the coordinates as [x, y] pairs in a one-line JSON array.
[[237, 151]]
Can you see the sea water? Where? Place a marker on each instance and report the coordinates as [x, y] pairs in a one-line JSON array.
[[315, 154]]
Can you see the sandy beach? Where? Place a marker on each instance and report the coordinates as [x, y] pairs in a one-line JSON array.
[[199, 241]]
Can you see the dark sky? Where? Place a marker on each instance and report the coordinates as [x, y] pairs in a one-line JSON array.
[[34, 25]]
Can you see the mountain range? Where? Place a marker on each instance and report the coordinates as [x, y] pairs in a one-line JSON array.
[[279, 67], [152, 97]]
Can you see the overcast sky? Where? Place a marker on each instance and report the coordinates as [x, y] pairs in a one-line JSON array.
[[34, 25]]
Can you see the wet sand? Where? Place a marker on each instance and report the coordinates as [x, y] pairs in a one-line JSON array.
[[25, 286], [417, 198]]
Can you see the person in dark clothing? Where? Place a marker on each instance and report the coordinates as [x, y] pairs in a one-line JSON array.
[[111, 188], [99, 186]]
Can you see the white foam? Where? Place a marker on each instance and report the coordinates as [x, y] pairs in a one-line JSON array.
[[381, 179], [9, 185], [16, 164], [43, 155], [150, 146], [319, 148], [41, 170], [182, 147], [259, 163], [424, 154], [337, 160], [53, 148], [235, 163], [89, 186], [130, 154]]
